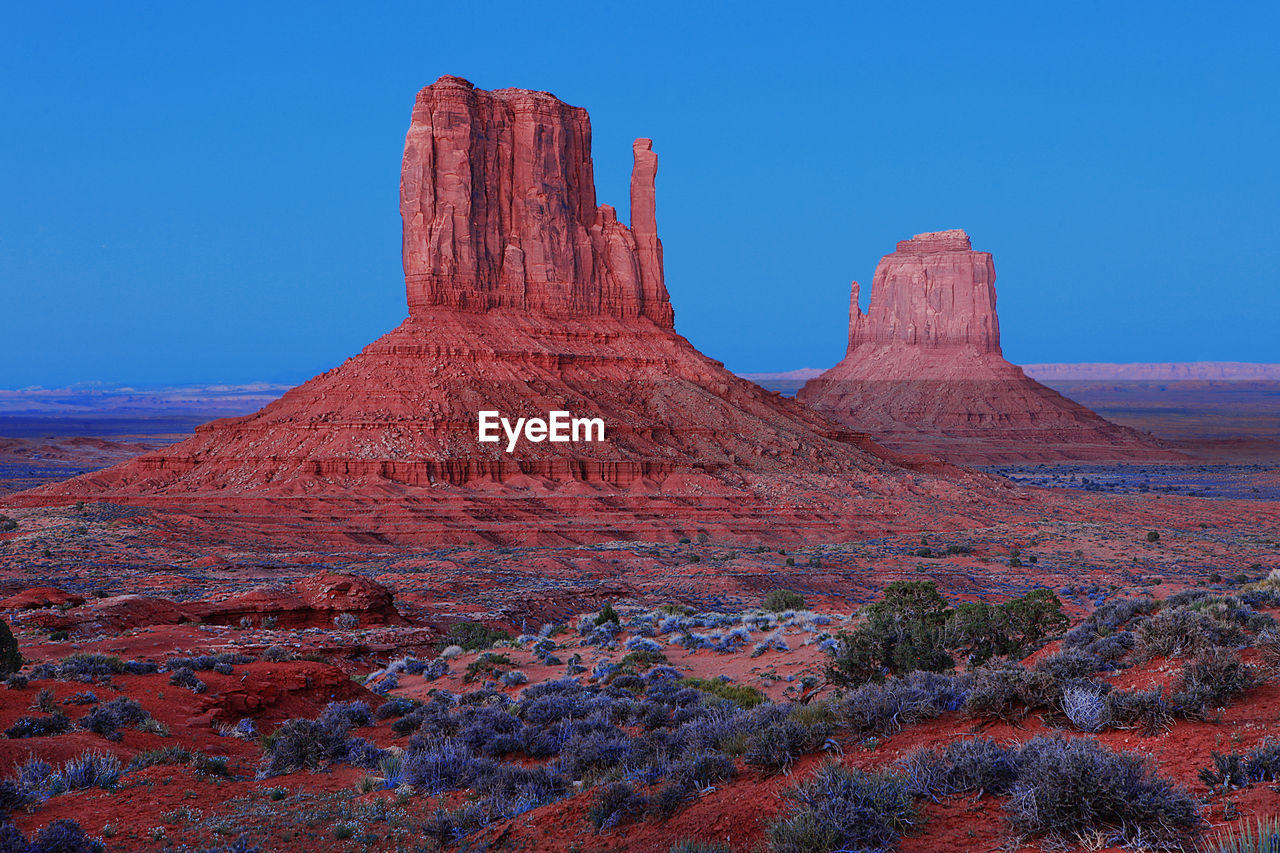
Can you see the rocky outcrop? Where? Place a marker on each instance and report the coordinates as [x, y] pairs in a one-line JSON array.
[[924, 372], [525, 296], [934, 292], [314, 601], [498, 199]]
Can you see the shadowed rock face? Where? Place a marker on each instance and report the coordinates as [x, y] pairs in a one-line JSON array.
[[524, 297], [924, 371], [498, 200]]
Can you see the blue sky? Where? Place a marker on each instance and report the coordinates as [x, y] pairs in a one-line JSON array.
[[209, 192]]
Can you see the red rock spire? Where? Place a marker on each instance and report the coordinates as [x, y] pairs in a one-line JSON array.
[[497, 194]]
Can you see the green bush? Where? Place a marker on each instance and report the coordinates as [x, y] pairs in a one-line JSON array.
[[472, 636], [10, 659], [780, 600], [742, 695], [608, 614]]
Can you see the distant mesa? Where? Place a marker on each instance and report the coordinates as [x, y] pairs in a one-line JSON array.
[[1187, 371], [924, 372], [526, 296]]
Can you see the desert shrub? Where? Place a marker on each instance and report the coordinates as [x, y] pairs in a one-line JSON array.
[[81, 666], [776, 737], [91, 769], [1268, 645], [107, 719], [438, 765], [514, 678], [1108, 619], [10, 659], [884, 708], [346, 621], [60, 836], [596, 752], [206, 663], [781, 600], [24, 727], [887, 644], [342, 715], [12, 798], [472, 636], [1182, 631], [1211, 680], [1261, 764], [640, 660], [1009, 692], [1145, 710], [394, 707], [186, 677], [1086, 707], [607, 614], [980, 631], [979, 764], [614, 804], [742, 695], [840, 808], [488, 665], [1070, 787], [1069, 665], [301, 745], [1035, 616], [161, 756]]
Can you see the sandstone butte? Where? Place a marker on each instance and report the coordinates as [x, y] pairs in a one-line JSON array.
[[924, 373], [526, 296]]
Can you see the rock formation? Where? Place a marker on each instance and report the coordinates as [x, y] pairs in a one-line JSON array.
[[924, 373], [525, 297]]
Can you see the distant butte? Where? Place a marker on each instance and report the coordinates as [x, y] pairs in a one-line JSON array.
[[924, 373], [526, 296]]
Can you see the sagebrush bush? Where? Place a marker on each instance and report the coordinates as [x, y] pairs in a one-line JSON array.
[[885, 708], [614, 804], [302, 745], [1180, 631], [91, 769], [964, 766], [1070, 787], [24, 727], [60, 836], [1210, 681], [1261, 764], [1086, 706], [841, 808], [108, 718]]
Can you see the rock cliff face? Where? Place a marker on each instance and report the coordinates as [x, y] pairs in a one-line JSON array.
[[924, 371], [498, 200], [525, 297], [934, 292]]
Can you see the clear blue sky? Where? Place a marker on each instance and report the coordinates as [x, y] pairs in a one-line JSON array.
[[209, 191]]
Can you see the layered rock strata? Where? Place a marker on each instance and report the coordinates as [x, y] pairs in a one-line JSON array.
[[924, 372], [525, 297]]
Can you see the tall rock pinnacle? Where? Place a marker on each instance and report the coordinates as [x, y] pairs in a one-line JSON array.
[[498, 200], [924, 370]]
